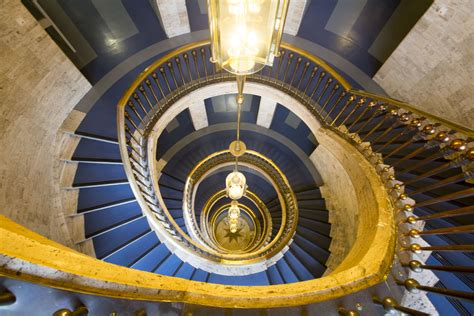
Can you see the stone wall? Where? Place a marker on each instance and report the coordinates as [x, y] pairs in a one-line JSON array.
[[433, 67], [39, 87]]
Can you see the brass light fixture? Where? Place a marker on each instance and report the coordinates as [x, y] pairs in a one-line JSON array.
[[245, 37]]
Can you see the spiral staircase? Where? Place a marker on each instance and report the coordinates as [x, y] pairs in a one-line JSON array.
[[133, 180]]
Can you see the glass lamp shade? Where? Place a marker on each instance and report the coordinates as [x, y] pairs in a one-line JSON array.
[[234, 210], [246, 34], [235, 184]]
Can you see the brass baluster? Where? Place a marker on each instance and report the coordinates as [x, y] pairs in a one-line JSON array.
[[290, 58], [7, 298], [416, 248], [451, 213], [310, 79], [134, 109], [379, 111], [163, 73], [137, 99], [305, 69], [348, 103], [453, 179], [331, 95], [194, 54], [338, 101], [417, 266], [128, 118], [458, 162], [158, 84], [426, 131], [79, 311], [139, 172], [413, 286], [203, 58], [173, 76], [345, 312], [186, 61], [180, 69], [402, 118], [321, 76], [130, 145], [134, 160], [277, 74], [390, 305], [129, 140], [297, 67], [441, 137], [150, 87], [354, 109], [326, 86], [145, 95], [454, 146], [390, 115], [369, 106], [415, 233], [414, 124]]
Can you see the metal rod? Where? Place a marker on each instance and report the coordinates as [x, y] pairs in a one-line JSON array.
[[303, 74], [456, 178], [290, 58], [145, 95], [362, 114], [451, 213], [349, 101], [310, 79], [376, 127], [326, 86], [447, 197], [338, 101], [173, 75], [354, 109], [331, 95], [150, 87], [389, 304], [163, 73], [203, 57], [446, 230], [186, 61], [378, 111], [180, 69], [417, 266], [194, 54], [158, 84], [321, 76]]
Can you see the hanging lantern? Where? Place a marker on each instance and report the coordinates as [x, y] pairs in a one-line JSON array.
[[234, 210], [235, 185], [246, 34]]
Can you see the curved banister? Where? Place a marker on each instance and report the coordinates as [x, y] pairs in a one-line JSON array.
[[378, 126]]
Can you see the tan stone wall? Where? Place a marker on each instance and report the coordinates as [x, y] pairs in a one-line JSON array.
[[433, 68], [39, 87]]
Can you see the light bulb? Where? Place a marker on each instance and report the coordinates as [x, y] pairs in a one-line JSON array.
[[235, 185]]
